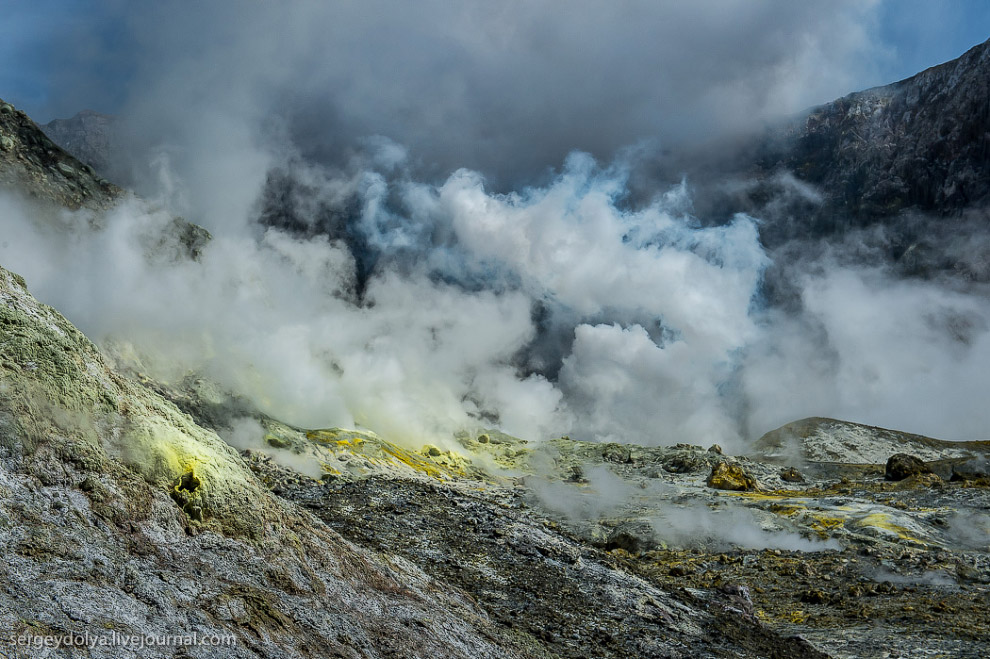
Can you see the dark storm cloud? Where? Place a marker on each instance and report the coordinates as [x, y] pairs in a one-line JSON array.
[[507, 88]]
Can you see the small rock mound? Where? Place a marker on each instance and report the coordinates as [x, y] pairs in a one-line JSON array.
[[727, 476], [791, 475], [901, 465]]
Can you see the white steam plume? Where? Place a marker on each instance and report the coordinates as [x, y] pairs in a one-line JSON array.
[[663, 337]]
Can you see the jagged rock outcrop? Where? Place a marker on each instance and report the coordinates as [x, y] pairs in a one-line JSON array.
[[901, 171], [921, 143], [90, 136], [32, 164]]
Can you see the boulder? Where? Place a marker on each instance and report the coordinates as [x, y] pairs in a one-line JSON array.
[[791, 475], [901, 465]]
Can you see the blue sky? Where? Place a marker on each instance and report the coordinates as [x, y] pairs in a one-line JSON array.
[[925, 33]]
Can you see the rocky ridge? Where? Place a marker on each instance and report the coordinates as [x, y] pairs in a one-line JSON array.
[[32, 164], [897, 174], [922, 143]]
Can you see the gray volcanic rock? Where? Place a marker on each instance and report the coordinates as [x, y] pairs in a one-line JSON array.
[[89, 136], [824, 440]]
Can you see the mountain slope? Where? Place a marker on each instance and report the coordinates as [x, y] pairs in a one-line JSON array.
[[921, 143], [32, 164], [130, 518]]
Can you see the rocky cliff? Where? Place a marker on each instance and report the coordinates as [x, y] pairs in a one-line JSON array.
[[921, 143], [32, 164], [903, 168]]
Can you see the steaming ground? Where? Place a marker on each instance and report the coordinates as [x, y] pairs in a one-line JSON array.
[[684, 524], [423, 309]]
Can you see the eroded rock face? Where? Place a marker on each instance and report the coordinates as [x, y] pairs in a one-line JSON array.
[[920, 143], [900, 172]]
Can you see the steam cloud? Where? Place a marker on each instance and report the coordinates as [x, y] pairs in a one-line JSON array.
[[663, 333], [422, 221], [681, 524]]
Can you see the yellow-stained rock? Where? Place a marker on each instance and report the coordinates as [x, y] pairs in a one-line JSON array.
[[727, 476]]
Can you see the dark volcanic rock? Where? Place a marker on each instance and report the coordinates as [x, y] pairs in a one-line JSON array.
[[922, 142], [791, 475], [902, 465], [901, 171], [32, 163]]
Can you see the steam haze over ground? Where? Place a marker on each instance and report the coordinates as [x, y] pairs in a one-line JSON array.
[[422, 221]]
